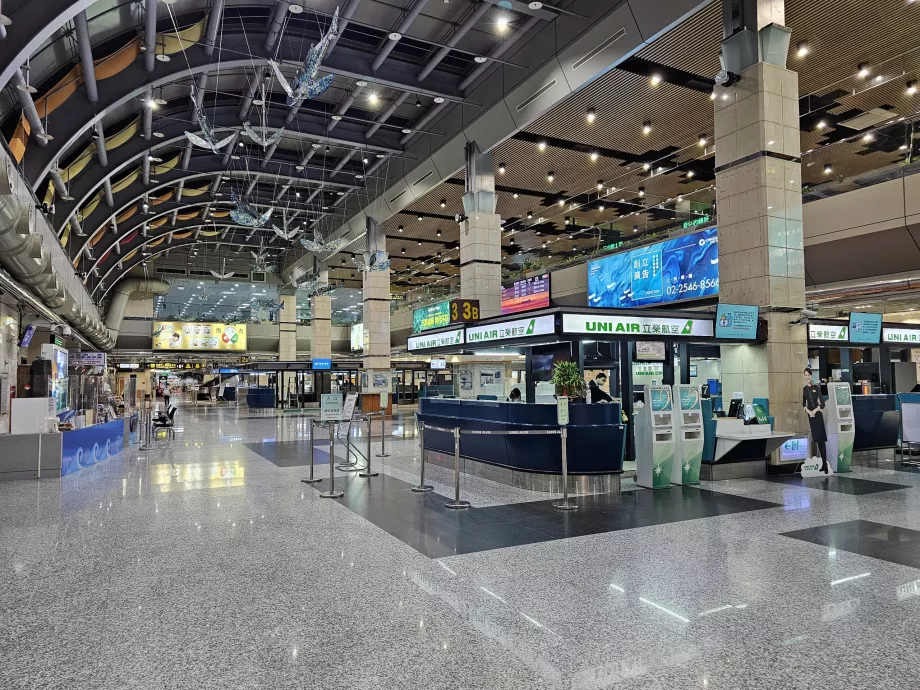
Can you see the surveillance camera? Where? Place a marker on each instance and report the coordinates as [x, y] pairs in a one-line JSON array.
[[459, 217], [726, 78], [809, 313]]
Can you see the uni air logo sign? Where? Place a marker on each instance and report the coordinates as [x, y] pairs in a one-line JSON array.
[[500, 332], [627, 327]]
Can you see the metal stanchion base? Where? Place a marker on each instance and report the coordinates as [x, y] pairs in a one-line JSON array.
[[382, 455], [424, 488], [311, 481], [332, 494], [457, 505], [565, 505], [368, 474], [348, 468]]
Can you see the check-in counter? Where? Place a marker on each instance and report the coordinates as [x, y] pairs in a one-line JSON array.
[[595, 442], [742, 450]]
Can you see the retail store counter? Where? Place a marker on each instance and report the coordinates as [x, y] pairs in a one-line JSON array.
[[595, 440]]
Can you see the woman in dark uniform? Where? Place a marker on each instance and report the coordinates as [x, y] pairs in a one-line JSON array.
[[813, 402]]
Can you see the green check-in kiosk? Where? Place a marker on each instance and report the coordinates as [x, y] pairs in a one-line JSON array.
[[655, 439], [841, 429], [688, 435]]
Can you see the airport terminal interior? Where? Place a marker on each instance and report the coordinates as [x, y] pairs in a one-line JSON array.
[[461, 344]]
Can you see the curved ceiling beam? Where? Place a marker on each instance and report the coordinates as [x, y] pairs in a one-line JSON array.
[[136, 222], [68, 124], [138, 260], [126, 157], [33, 24], [199, 167]]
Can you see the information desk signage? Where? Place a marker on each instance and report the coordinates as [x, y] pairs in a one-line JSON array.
[[865, 328], [87, 359], [736, 321], [322, 364], [900, 335], [431, 317], [594, 324], [518, 328], [679, 268], [823, 331], [442, 339]]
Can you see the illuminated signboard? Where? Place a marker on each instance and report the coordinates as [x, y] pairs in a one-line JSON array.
[[681, 268], [526, 294], [432, 316], [211, 337], [443, 339]]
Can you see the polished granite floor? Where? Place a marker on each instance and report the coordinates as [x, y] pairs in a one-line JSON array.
[[208, 564]]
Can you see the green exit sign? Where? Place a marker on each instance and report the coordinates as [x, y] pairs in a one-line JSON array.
[[613, 245], [693, 222]]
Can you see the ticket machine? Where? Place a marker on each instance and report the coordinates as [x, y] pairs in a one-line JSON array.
[[655, 439], [841, 428], [688, 435]]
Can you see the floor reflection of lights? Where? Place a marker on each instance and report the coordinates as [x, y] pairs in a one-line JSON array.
[[187, 477]]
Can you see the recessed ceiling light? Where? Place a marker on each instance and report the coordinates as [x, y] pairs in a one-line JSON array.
[[159, 135], [646, 166], [541, 146], [821, 124], [642, 190], [902, 147], [336, 117], [479, 59], [501, 168], [295, 9], [381, 155], [406, 130], [394, 36], [438, 99], [590, 115], [655, 80], [702, 140], [712, 96], [234, 157], [801, 48], [535, 5], [258, 101], [316, 144], [647, 127], [868, 137], [911, 88], [862, 70], [361, 83], [878, 77], [828, 169], [515, 195], [502, 23], [550, 176], [164, 58]]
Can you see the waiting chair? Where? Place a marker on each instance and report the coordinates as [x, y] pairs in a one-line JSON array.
[[168, 423]]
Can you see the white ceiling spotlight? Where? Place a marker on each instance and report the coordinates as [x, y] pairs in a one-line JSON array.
[[394, 36], [163, 58], [438, 99], [535, 5], [295, 9], [361, 83]]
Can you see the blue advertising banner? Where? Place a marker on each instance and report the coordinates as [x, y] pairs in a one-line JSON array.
[[865, 328], [677, 269], [84, 447], [322, 364], [737, 321]]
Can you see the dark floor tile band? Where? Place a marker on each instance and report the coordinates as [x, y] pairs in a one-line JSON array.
[[839, 484], [874, 539]]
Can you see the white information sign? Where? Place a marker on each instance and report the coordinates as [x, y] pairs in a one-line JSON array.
[[823, 331], [599, 324], [330, 407], [562, 410], [87, 359], [900, 335], [348, 411]]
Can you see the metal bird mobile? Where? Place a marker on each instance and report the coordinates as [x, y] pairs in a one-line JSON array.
[[261, 135], [246, 214], [206, 140], [223, 275], [320, 246], [305, 84], [373, 261]]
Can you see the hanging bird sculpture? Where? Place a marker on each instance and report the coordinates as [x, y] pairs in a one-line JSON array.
[[305, 84]]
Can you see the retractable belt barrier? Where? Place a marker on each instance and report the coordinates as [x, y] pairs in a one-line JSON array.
[[365, 471], [562, 432]]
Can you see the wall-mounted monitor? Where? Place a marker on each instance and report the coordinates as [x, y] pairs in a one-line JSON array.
[[678, 269], [865, 328], [737, 321], [647, 351], [526, 294], [27, 336], [438, 364], [433, 316]]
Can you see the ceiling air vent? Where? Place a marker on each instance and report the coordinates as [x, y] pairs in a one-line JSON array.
[[868, 119]]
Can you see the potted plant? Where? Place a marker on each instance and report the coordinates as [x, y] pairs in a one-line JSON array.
[[569, 381]]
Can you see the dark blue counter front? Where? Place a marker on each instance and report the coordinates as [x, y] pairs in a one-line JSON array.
[[877, 421], [260, 397], [595, 435]]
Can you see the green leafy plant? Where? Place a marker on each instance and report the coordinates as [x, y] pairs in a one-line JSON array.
[[568, 380]]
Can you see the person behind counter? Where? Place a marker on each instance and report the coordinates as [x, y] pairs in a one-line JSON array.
[[596, 393], [813, 402], [515, 395]]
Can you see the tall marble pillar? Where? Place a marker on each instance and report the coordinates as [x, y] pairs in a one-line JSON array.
[[287, 324], [377, 376], [321, 318], [480, 235], [759, 205]]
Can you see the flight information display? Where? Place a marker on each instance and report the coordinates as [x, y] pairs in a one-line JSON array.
[[526, 294], [680, 268]]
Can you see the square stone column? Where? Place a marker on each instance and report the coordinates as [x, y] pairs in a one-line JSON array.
[[481, 261], [287, 324], [761, 257], [376, 377], [321, 320]]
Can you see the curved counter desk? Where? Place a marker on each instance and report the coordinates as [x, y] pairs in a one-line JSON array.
[[596, 441]]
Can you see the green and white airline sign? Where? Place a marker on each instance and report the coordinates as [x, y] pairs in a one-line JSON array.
[[823, 331], [517, 328], [442, 339], [599, 324]]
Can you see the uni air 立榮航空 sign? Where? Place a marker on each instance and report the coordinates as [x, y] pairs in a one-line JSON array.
[[822, 331], [518, 328], [442, 339], [596, 324], [900, 335]]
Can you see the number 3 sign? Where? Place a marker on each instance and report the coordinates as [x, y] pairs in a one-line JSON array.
[[464, 310]]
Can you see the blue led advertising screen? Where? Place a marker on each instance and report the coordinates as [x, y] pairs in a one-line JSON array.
[[681, 268], [865, 328]]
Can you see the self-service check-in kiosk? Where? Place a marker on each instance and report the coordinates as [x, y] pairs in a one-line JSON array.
[[841, 428], [688, 435], [655, 439]]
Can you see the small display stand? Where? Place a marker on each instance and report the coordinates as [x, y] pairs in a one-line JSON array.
[[841, 429], [688, 434], [655, 439]]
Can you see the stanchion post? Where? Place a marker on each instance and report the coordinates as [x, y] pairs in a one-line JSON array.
[[332, 493], [422, 486], [311, 479], [383, 435], [367, 470], [564, 503], [457, 504], [347, 465]]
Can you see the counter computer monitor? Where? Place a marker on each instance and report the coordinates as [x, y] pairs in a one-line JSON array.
[[734, 407]]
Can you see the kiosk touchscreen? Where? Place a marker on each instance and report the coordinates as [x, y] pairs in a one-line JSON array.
[[688, 435], [841, 429], [655, 439]]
